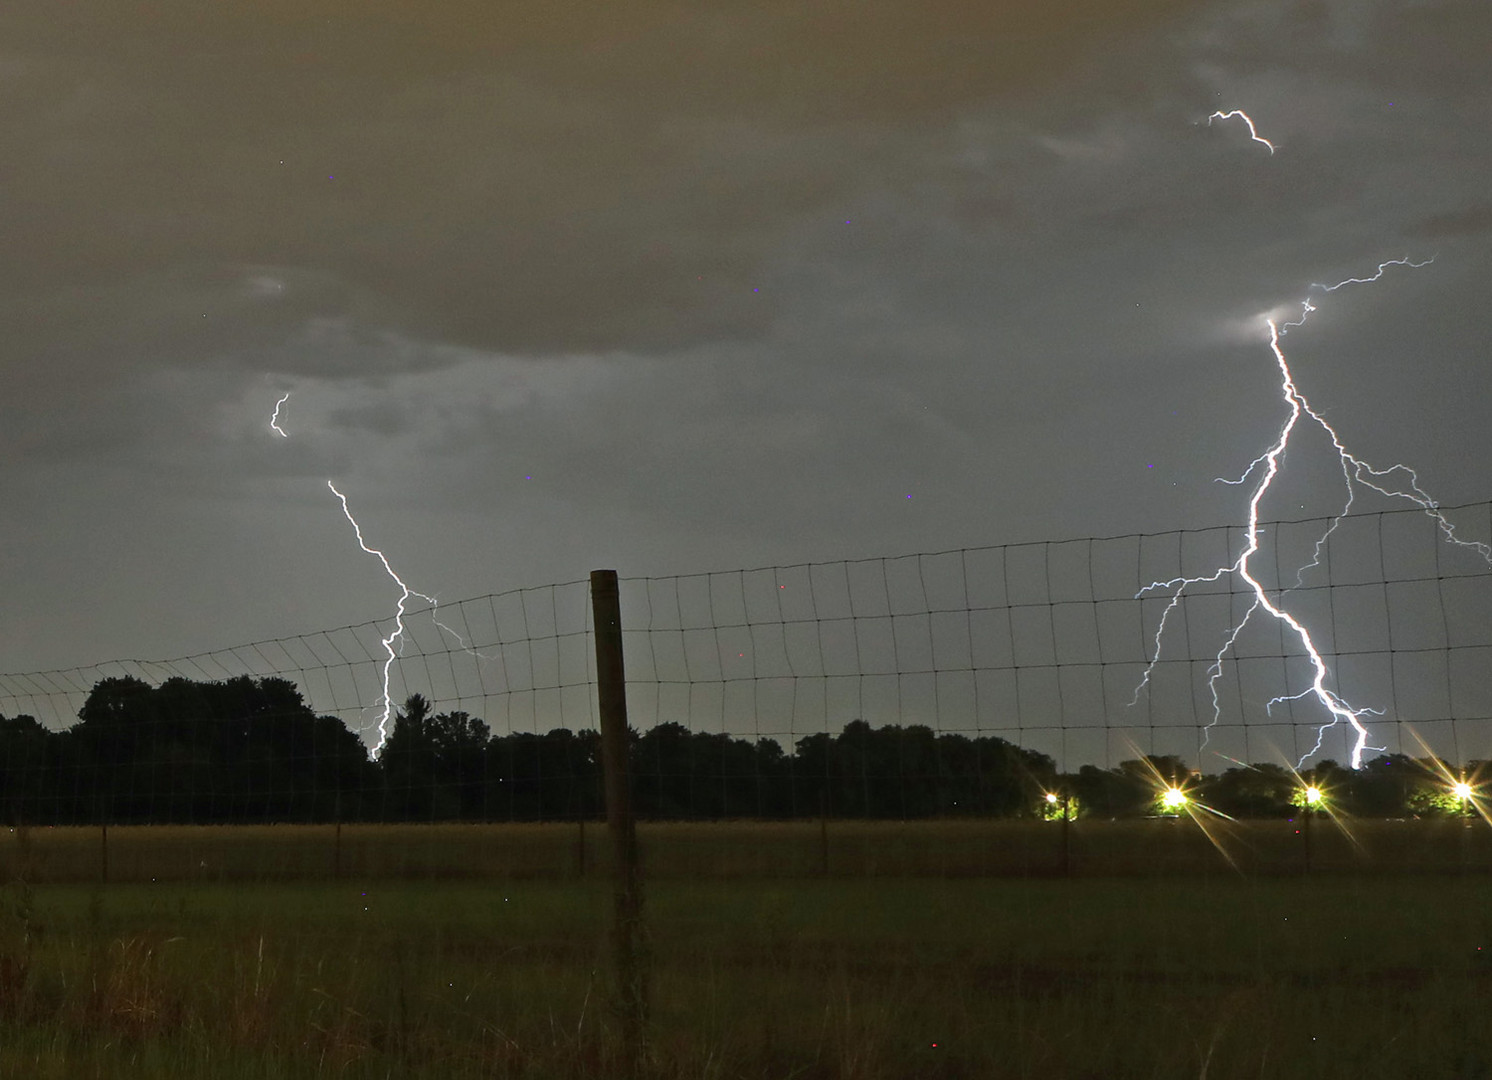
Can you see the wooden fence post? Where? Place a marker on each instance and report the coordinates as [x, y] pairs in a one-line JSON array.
[[627, 928]]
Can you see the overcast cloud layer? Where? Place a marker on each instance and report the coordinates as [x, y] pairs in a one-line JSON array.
[[675, 288]]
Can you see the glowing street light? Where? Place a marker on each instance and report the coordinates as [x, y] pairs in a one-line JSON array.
[[1056, 806], [1461, 790], [1173, 799], [1313, 796]]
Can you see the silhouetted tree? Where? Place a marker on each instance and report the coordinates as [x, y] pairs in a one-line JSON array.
[[1257, 791], [1381, 788], [408, 762], [27, 771], [247, 749], [1113, 792]]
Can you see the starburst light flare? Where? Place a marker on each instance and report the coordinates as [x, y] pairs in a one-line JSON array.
[[1470, 792]]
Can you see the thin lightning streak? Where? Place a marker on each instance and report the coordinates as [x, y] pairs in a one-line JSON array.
[[1376, 274], [1266, 467], [274, 420], [1306, 307], [1355, 470], [1253, 132], [391, 653]]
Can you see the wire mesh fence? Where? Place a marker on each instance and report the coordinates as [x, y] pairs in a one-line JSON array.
[[1048, 644], [940, 683], [521, 659]]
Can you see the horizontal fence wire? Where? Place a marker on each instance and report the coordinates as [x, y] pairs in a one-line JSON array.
[[523, 660], [1048, 644], [951, 682], [450, 719]]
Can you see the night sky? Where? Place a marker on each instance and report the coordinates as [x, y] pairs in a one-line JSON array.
[[558, 286]]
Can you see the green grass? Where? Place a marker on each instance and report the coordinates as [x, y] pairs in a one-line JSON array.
[[1210, 973]]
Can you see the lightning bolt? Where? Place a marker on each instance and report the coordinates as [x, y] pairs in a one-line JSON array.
[[394, 642], [397, 636], [274, 420], [1265, 468], [1395, 482], [1355, 470], [1253, 131]]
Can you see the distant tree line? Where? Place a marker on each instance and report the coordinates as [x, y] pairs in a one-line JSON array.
[[252, 750]]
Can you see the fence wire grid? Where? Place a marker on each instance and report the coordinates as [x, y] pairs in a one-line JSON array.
[[1043, 645], [1047, 644]]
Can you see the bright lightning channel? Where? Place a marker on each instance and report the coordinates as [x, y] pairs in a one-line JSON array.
[[397, 635], [274, 420], [1266, 467], [393, 643], [1253, 131]]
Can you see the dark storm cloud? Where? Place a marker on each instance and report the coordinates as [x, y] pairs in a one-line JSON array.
[[532, 178], [672, 287], [1457, 223]]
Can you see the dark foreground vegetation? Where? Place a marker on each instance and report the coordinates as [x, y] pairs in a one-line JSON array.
[[954, 849], [1222, 975], [252, 751]]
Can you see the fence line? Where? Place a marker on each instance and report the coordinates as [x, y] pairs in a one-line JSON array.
[[751, 681], [1046, 643], [519, 657]]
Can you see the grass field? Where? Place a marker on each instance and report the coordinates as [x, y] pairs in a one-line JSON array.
[[478, 951], [746, 849]]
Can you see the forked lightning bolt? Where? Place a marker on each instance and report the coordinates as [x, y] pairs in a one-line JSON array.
[[1265, 468], [397, 636], [1396, 481], [1253, 132], [392, 644], [1354, 469]]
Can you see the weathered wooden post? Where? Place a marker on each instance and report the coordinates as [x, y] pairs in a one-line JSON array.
[[627, 929]]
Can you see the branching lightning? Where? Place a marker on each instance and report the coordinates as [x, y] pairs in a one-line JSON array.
[[396, 637], [1265, 468], [393, 643], [1253, 131], [1396, 482]]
